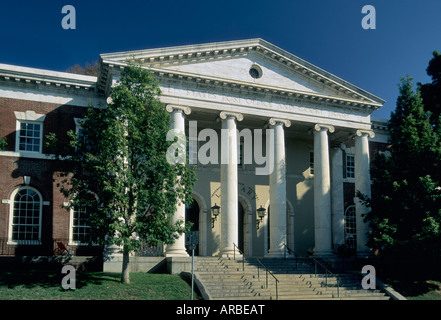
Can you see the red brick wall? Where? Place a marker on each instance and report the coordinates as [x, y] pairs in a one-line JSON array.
[[55, 218]]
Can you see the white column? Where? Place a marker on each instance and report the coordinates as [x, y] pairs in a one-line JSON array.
[[278, 190], [322, 191], [177, 123], [338, 219], [229, 183], [362, 184]]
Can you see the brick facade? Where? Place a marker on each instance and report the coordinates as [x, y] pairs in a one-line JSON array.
[[42, 172]]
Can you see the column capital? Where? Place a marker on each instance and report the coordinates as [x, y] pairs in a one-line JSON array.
[[319, 127], [274, 121], [226, 114], [171, 107], [360, 133]]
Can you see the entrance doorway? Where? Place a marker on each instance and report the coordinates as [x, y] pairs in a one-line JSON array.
[[240, 227]]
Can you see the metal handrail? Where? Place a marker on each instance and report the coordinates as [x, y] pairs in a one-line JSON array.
[[326, 275], [266, 274], [234, 255], [290, 251], [258, 273]]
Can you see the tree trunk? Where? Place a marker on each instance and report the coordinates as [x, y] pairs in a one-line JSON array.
[[125, 276]]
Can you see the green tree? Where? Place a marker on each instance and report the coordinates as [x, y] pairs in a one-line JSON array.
[[118, 169], [406, 201], [431, 92], [3, 143], [89, 69]]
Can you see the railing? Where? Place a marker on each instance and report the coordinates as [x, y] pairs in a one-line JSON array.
[[243, 256], [286, 248], [147, 250], [46, 247], [258, 269], [316, 263], [266, 273], [327, 272]]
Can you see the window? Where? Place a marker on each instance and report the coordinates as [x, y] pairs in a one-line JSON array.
[[79, 128], [350, 166], [255, 71], [192, 150], [29, 136], [350, 227], [26, 216], [80, 226], [311, 163], [240, 154]]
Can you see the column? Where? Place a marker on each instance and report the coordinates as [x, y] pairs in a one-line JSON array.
[[322, 191], [278, 190], [229, 183], [337, 193], [177, 123], [362, 184]]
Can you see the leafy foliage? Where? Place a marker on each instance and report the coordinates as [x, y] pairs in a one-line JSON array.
[[117, 167], [89, 69], [3, 143], [431, 92], [406, 197]]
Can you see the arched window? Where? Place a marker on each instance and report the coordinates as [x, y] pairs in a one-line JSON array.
[[25, 222], [350, 227]]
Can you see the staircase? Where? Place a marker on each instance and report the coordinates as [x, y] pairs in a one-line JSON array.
[[228, 279]]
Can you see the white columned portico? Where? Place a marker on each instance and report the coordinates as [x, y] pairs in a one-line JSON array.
[[363, 185], [229, 182], [322, 191], [278, 190], [177, 123], [338, 219]]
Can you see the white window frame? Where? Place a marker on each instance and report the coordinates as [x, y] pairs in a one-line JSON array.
[[311, 163], [78, 125], [347, 166], [73, 242], [193, 151], [241, 154], [28, 117], [11, 218], [351, 237]]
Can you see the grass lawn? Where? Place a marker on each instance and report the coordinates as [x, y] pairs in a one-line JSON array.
[[416, 279], [418, 289], [39, 285]]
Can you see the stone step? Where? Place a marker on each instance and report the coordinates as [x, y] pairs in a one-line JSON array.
[[226, 279]]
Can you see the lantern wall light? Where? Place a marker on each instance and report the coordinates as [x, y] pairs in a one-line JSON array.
[[260, 214], [215, 211]]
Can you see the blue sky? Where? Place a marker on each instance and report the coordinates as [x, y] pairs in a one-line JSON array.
[[327, 33]]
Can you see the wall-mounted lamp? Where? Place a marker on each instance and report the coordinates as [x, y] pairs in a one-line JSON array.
[[215, 211], [260, 213]]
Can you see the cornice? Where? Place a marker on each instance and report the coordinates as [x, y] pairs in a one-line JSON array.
[[154, 59], [30, 76], [167, 75]]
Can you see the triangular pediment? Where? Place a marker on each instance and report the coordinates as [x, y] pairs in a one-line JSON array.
[[239, 69], [229, 64]]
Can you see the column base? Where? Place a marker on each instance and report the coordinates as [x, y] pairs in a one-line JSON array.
[[176, 253], [276, 254], [230, 254]]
